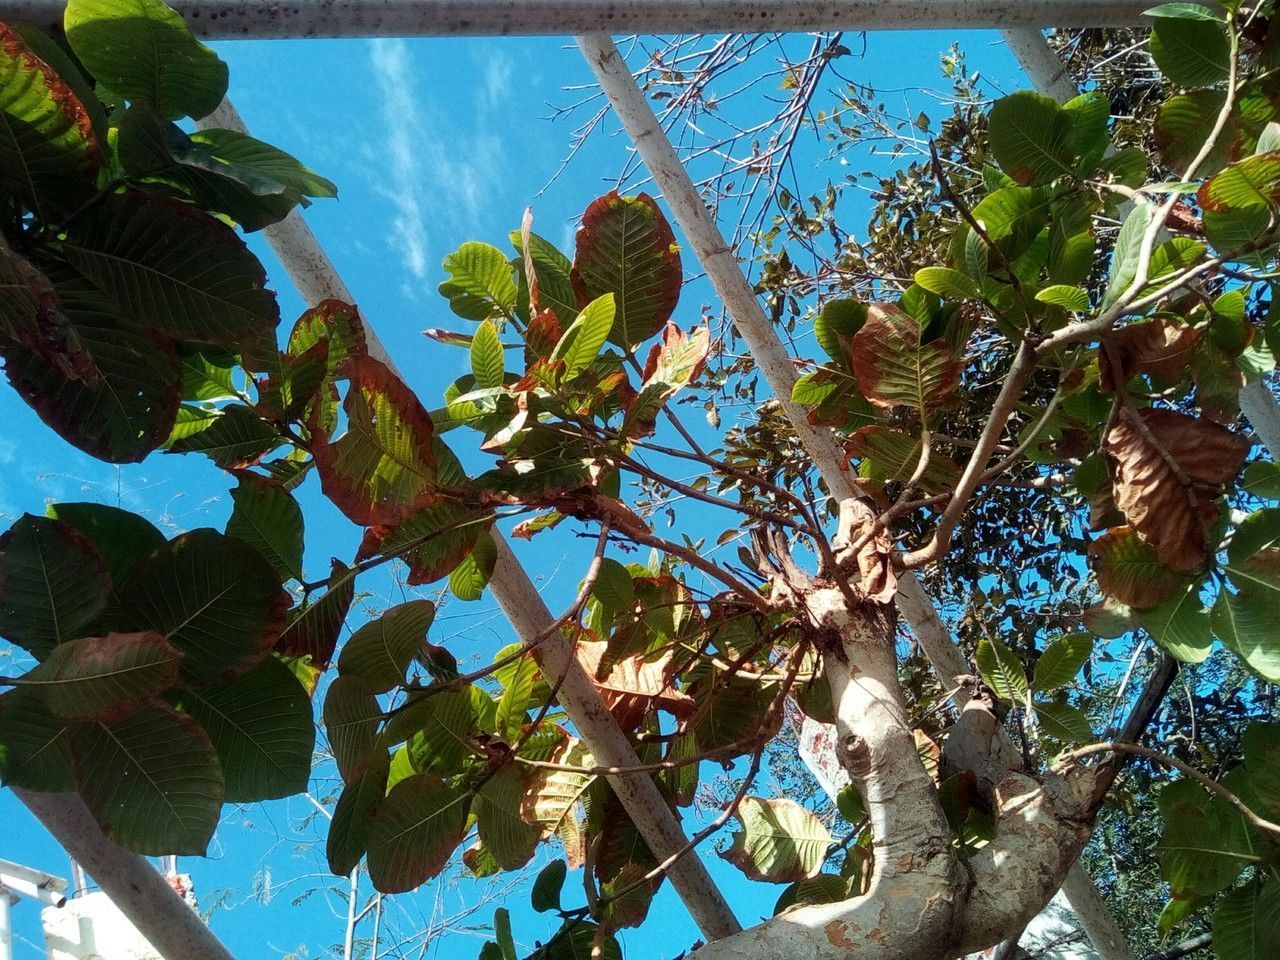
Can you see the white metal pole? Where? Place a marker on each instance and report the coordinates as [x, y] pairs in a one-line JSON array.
[[6, 927], [271, 19]]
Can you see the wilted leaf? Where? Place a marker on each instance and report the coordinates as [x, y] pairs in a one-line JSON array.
[[1160, 347], [382, 469], [672, 365], [313, 630], [780, 841], [1149, 480], [895, 368], [634, 685], [890, 455]]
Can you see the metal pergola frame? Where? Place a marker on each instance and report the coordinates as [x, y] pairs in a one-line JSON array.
[[139, 891]]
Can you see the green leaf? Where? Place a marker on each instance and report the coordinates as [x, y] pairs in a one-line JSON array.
[[380, 652], [1128, 570], [415, 830], [851, 805], [382, 469], [207, 375], [780, 841], [498, 815], [313, 629], [545, 896], [1002, 670], [1031, 137], [1184, 11], [351, 718], [120, 403], [260, 724], [439, 726], [1061, 661], [1253, 182], [1245, 620], [266, 517], [1063, 295], [502, 930], [896, 368], [582, 342], [49, 153], [245, 154], [34, 747], [1246, 923], [947, 283], [471, 576], [178, 271], [212, 597], [446, 533], [151, 780], [237, 438], [1191, 52], [824, 888], [352, 823], [614, 587], [1125, 255], [1184, 124], [553, 270], [836, 320], [1089, 113], [53, 584], [1063, 722], [487, 362], [1205, 843], [103, 678], [1180, 624], [1259, 530], [143, 50], [626, 248], [517, 681], [576, 940], [889, 455], [481, 282]]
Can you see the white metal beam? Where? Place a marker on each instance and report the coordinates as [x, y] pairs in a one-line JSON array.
[[278, 19]]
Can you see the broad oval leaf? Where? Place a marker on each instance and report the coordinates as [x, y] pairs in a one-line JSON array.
[[439, 726], [1191, 52], [1246, 923], [545, 895], [177, 270], [1128, 570], [123, 539], [266, 517], [351, 719], [1245, 620], [1068, 297], [498, 807], [151, 780], [245, 153], [947, 283], [313, 629], [383, 469], [893, 366], [35, 751], [1002, 670], [353, 816], [143, 50], [415, 830], [49, 154], [1063, 722], [1061, 661], [780, 841], [481, 282], [53, 584], [1180, 624], [213, 597], [380, 651], [121, 404], [1205, 843], [260, 724], [104, 678], [1031, 137], [626, 247], [471, 576]]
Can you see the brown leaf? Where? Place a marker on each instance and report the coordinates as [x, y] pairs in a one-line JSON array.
[[1160, 347], [876, 579], [895, 368], [633, 685], [1166, 470]]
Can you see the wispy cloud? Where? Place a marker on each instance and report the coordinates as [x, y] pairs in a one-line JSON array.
[[395, 79]]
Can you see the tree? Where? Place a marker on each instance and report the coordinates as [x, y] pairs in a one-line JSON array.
[[1046, 379]]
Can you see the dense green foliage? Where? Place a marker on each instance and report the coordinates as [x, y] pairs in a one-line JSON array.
[[1063, 371]]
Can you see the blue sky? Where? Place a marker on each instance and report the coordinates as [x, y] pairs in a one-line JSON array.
[[432, 142]]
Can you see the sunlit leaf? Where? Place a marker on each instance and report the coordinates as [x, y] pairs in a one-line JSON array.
[[780, 841]]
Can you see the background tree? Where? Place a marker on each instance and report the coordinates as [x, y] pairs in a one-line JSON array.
[[1019, 409]]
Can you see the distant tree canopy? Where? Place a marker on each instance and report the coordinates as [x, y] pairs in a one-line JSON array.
[[1031, 364]]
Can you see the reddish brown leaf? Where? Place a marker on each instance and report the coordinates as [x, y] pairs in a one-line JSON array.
[[446, 532], [1128, 570], [626, 247], [382, 469], [313, 630], [1159, 347], [1166, 470], [633, 685], [895, 368], [541, 336]]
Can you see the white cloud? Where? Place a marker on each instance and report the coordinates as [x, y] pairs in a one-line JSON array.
[[395, 79]]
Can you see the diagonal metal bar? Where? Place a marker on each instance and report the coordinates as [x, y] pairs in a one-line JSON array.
[[271, 19], [317, 279]]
